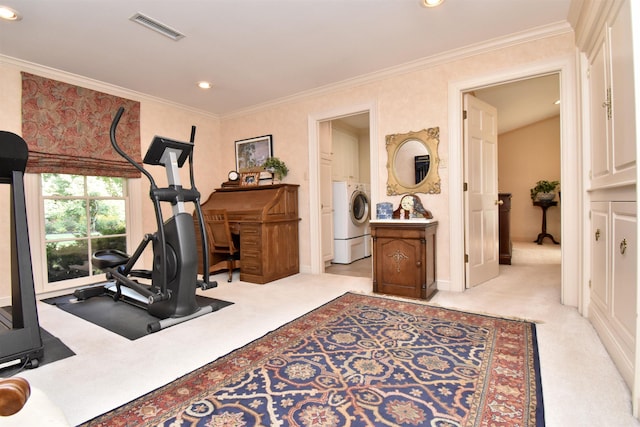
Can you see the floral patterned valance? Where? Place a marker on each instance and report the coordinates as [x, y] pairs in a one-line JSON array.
[[67, 129]]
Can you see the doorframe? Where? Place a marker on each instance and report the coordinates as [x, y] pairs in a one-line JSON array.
[[315, 223], [570, 165]]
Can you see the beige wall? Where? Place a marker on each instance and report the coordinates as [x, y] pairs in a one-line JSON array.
[[405, 101], [526, 156]]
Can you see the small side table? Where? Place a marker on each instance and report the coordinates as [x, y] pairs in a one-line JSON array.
[[544, 205]]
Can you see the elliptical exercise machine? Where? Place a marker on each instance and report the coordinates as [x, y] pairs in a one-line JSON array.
[[171, 296]]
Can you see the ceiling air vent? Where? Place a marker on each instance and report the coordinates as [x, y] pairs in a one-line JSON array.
[[156, 26]]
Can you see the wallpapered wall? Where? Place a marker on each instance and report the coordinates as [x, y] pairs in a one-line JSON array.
[[406, 101]]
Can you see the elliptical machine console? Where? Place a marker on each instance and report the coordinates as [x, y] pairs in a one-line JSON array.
[[171, 295]]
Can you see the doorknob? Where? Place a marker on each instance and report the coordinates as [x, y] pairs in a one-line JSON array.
[[499, 202]]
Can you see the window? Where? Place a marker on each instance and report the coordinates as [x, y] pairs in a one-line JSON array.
[[82, 214]]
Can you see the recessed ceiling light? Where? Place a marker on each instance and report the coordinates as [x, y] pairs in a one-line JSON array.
[[431, 3], [205, 85], [9, 14]]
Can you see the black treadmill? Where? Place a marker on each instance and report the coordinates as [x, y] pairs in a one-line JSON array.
[[20, 337]]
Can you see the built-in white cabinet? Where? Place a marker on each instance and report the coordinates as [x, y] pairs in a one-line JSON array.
[[604, 33], [612, 110], [613, 282], [346, 156]]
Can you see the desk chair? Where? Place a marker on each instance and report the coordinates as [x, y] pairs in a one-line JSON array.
[[221, 241]]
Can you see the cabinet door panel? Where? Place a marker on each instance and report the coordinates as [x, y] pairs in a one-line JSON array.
[[622, 84], [624, 271], [400, 267], [600, 254], [345, 159], [599, 120]]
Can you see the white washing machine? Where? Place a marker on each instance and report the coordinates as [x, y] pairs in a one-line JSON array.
[[351, 213]]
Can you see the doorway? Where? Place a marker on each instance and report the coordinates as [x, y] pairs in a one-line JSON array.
[[347, 249], [318, 153], [572, 215], [526, 139]]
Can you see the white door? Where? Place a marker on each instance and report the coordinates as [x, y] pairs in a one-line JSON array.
[[481, 197], [326, 191]]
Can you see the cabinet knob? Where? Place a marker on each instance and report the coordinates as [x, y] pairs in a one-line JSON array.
[[597, 234], [623, 246], [499, 202], [418, 263]]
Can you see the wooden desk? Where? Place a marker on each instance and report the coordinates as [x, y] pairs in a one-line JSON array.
[[544, 205], [266, 217]]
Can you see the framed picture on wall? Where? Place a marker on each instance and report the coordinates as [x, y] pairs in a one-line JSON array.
[[252, 153]]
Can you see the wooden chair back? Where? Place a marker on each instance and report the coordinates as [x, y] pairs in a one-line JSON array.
[[220, 239], [218, 231]]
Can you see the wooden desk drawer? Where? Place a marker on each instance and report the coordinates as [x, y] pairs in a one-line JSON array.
[[251, 262], [250, 236]]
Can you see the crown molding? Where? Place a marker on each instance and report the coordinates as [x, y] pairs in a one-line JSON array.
[[589, 17], [86, 82]]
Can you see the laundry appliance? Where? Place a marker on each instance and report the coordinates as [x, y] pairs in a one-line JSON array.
[[351, 214]]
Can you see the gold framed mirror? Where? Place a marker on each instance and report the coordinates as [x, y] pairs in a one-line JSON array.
[[412, 162]]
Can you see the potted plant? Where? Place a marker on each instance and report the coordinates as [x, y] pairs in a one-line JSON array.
[[544, 190], [277, 168]]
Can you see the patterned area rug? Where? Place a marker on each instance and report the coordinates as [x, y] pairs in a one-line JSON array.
[[361, 361]]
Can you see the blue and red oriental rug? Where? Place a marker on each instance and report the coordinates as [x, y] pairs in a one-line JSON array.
[[361, 361]]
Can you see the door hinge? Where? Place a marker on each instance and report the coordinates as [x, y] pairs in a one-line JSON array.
[[466, 258], [464, 186], [464, 114], [607, 104], [589, 284]]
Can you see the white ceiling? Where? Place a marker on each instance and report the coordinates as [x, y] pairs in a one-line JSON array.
[[253, 51], [523, 102]]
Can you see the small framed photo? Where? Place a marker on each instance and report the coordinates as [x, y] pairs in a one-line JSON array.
[[252, 153], [247, 179]]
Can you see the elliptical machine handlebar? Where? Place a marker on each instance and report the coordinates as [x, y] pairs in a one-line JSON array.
[[114, 143]]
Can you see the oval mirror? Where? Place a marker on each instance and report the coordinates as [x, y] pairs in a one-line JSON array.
[[413, 160]]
